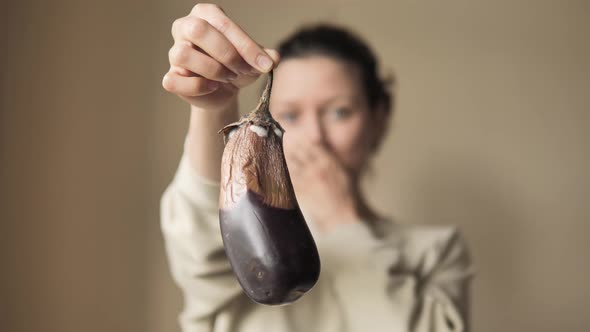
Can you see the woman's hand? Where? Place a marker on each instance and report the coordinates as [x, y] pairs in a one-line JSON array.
[[322, 185], [212, 57]]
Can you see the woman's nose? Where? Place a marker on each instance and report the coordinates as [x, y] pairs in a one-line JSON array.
[[315, 130]]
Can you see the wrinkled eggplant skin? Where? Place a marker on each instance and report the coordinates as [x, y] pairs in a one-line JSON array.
[[271, 250]]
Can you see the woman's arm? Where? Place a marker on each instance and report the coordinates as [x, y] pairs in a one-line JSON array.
[[190, 225], [426, 272], [204, 146], [442, 287], [211, 59]]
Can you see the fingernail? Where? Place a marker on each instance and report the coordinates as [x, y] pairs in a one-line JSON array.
[[264, 62], [212, 85]]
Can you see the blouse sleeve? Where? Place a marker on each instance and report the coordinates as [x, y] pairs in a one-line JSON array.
[[443, 275], [428, 271], [190, 225]]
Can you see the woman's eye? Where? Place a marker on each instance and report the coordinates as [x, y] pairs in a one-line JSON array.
[[288, 117], [340, 113]]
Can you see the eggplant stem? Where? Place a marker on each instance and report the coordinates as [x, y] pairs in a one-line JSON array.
[[260, 115], [263, 105]]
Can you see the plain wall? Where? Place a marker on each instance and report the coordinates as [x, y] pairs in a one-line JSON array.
[[490, 133]]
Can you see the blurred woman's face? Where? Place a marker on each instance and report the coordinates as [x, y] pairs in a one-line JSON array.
[[321, 100]]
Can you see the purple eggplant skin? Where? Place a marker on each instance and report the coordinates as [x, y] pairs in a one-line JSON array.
[[271, 250]]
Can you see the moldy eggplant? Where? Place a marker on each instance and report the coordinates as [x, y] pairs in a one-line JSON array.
[[269, 245]]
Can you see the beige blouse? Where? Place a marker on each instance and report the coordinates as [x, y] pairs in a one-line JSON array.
[[386, 277]]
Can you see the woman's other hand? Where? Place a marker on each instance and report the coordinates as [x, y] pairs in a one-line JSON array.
[[322, 185]]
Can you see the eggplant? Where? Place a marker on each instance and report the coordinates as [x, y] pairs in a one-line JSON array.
[[266, 239]]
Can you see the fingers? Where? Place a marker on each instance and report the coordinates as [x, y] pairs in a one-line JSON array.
[[310, 153], [312, 159], [209, 47], [274, 54], [183, 55], [245, 80], [201, 34], [247, 48], [293, 165], [188, 86], [320, 154], [300, 161], [293, 161]]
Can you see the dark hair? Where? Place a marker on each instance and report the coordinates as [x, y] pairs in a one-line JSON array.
[[341, 43]]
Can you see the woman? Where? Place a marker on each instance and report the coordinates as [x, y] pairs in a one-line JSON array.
[[376, 275]]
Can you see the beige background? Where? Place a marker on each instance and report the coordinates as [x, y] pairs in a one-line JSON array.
[[491, 134]]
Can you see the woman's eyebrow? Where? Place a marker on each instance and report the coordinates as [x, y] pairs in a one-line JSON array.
[[347, 98], [285, 103], [293, 104]]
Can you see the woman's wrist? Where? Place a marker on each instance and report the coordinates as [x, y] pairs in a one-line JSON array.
[[204, 144], [228, 110]]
